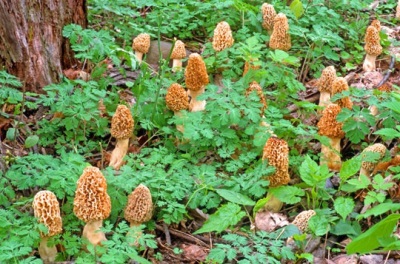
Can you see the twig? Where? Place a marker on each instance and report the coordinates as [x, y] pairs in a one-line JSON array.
[[185, 236], [389, 71], [167, 234]]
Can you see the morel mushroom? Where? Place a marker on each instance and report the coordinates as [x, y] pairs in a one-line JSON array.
[[377, 24], [92, 204], [340, 85], [178, 53], [196, 78], [280, 37], [372, 47], [329, 127], [268, 15], [254, 86], [177, 99], [47, 211], [367, 166], [122, 125], [222, 36], [328, 75], [301, 220], [141, 45]]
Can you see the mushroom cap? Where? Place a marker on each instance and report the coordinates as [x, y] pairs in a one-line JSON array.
[[327, 125], [91, 202], [372, 42], [47, 211], [177, 98], [377, 24], [301, 220], [268, 15], [122, 123], [277, 152], [141, 43], [254, 86], [250, 65], [376, 148], [179, 51], [196, 76], [222, 36], [328, 75], [280, 38], [340, 85], [139, 208]]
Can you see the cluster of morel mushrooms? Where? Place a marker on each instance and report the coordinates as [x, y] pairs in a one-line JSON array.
[[92, 203]]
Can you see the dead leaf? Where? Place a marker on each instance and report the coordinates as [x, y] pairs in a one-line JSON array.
[[194, 252], [371, 259], [345, 259], [269, 221], [71, 74]]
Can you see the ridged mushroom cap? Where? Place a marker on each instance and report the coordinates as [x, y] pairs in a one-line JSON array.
[[196, 73], [301, 220], [179, 51], [327, 125], [276, 151], [92, 202], [372, 42], [328, 75], [47, 210], [141, 43], [268, 14], [122, 123], [139, 208], [222, 36], [176, 98], [376, 148], [377, 24], [280, 38], [340, 85], [254, 86]]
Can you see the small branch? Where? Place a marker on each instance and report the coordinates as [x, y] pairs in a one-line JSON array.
[[194, 239]]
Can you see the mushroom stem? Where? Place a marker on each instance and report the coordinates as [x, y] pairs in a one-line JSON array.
[[369, 63], [139, 56], [92, 232], [273, 204], [364, 171], [324, 99], [176, 65], [119, 153], [330, 155], [180, 128], [196, 105], [47, 254]]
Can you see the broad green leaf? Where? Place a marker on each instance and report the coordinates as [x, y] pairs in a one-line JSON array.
[[344, 206], [260, 204], [370, 240], [349, 168], [288, 194], [312, 174], [11, 134], [393, 105], [380, 209], [235, 197], [388, 133], [227, 215], [31, 141], [297, 8], [319, 225], [348, 228]]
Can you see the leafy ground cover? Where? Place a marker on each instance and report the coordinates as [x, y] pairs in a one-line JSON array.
[[209, 183]]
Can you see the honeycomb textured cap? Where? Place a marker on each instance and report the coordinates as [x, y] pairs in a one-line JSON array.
[[47, 211], [179, 51], [376, 148], [340, 85], [268, 14], [280, 38], [327, 125], [372, 42], [139, 208], [301, 220], [377, 24], [254, 86], [92, 202], [141, 43], [122, 123], [196, 76], [276, 151], [222, 36], [328, 75], [176, 98]]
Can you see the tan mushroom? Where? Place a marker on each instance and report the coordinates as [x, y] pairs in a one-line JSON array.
[[280, 37], [367, 166], [122, 125], [340, 85], [92, 204], [377, 24], [254, 86], [268, 15], [329, 127], [251, 64], [178, 53], [47, 211], [196, 78], [398, 10], [222, 36], [372, 47], [177, 100], [301, 220], [328, 75], [141, 45]]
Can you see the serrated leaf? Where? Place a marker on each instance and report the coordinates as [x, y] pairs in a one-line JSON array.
[[388, 133], [393, 105], [235, 197], [349, 168], [288, 194], [297, 8], [227, 215], [31, 141], [312, 174], [380, 209], [319, 225], [344, 206]]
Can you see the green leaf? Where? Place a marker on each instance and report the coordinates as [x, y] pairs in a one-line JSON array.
[[288, 194], [260, 204], [11, 134], [349, 168], [344, 206], [31, 141], [380, 209], [312, 174], [227, 215], [393, 105], [319, 225], [235, 197], [297, 8], [370, 239], [346, 228], [388, 133]]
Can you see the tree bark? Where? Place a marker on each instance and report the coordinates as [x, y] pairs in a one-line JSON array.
[[31, 43]]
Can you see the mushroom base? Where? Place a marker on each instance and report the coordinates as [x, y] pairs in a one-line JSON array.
[[47, 254], [324, 99], [369, 63], [92, 232], [194, 104], [364, 171], [119, 153], [330, 155], [139, 56], [176, 65], [273, 204]]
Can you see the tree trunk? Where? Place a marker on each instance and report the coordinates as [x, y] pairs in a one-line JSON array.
[[31, 43]]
